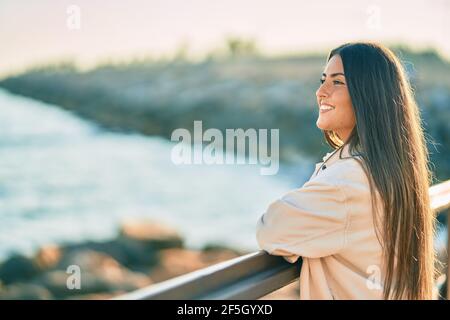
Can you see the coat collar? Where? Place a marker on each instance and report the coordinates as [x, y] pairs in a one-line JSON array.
[[331, 157], [343, 151]]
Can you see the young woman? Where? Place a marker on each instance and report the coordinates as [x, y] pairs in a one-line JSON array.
[[362, 223]]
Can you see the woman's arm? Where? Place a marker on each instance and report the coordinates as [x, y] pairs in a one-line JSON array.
[[310, 222]]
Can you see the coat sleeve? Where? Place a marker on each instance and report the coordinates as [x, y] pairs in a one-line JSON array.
[[310, 222]]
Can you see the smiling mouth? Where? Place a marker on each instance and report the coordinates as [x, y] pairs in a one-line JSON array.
[[325, 107]]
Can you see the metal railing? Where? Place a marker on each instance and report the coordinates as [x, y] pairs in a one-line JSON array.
[[257, 274]]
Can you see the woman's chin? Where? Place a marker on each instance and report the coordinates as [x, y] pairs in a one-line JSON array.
[[323, 126]]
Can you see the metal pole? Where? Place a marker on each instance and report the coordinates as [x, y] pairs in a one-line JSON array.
[[448, 254]]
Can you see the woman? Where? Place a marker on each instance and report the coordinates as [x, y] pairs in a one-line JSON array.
[[362, 223]]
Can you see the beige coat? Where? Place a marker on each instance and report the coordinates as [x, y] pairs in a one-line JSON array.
[[329, 223]]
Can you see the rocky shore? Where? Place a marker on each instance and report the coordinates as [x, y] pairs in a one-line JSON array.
[[142, 253], [158, 97]]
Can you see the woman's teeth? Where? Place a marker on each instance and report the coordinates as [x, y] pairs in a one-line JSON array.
[[326, 108]]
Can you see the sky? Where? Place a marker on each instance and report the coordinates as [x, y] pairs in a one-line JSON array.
[[42, 31]]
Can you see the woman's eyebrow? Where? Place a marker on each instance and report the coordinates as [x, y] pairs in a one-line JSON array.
[[334, 74]]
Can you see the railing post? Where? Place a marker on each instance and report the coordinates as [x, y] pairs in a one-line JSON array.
[[448, 254]]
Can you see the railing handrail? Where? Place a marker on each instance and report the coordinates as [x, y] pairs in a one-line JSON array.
[[250, 276], [247, 277], [440, 196]]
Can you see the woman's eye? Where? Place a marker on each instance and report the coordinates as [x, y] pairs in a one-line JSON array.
[[334, 81]]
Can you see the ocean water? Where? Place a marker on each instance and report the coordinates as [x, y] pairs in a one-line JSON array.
[[64, 179]]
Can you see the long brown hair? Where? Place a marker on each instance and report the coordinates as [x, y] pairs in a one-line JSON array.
[[389, 136]]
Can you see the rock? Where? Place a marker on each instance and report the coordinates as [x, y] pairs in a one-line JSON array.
[[153, 234], [136, 245], [47, 257], [216, 256], [55, 282], [136, 254], [128, 252], [108, 268], [18, 268], [175, 262], [99, 273], [88, 260], [218, 248], [25, 291]]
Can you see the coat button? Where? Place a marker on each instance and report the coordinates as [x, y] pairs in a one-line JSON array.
[[324, 167]]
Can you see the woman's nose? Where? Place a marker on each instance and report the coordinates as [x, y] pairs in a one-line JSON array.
[[321, 92]]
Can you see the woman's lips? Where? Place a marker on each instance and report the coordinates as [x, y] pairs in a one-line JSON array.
[[325, 108]]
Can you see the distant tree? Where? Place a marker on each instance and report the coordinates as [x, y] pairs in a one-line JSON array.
[[241, 47]]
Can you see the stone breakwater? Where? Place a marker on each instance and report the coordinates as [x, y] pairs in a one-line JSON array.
[[142, 253]]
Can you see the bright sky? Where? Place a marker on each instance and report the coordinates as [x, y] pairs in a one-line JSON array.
[[35, 31]]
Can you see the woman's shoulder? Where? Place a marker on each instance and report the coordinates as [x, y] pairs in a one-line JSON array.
[[342, 171]]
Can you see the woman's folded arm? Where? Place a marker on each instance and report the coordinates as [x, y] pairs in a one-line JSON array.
[[310, 222]]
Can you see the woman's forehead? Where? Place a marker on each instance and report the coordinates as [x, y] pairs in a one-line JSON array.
[[334, 65]]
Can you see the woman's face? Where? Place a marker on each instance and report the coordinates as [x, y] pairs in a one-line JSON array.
[[335, 105]]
